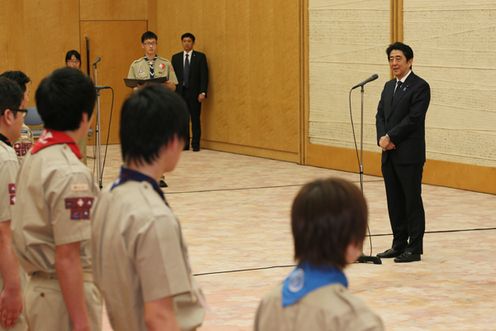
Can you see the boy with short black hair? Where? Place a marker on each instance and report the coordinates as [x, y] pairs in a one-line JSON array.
[[11, 276], [51, 224], [137, 241]]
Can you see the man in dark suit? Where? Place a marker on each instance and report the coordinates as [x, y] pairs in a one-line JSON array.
[[400, 123], [192, 73]]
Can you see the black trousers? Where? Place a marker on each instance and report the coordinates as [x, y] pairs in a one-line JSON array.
[[194, 108], [406, 210]]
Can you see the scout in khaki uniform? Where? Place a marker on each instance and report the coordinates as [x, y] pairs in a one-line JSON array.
[[12, 278], [328, 221], [151, 65], [140, 260], [51, 221]]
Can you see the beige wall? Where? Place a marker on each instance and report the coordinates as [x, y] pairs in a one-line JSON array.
[[452, 42], [455, 54]]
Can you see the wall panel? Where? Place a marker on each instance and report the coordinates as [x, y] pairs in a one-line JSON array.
[[38, 36], [253, 50], [113, 10], [114, 66], [455, 43]]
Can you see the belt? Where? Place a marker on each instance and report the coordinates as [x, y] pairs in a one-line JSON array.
[[87, 276]]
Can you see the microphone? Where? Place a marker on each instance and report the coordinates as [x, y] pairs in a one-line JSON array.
[[104, 87], [371, 78], [98, 59]]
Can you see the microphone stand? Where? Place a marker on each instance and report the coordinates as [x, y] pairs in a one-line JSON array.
[[364, 258], [98, 157]]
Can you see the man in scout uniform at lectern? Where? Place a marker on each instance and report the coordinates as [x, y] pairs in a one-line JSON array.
[[12, 278], [51, 219], [151, 65]]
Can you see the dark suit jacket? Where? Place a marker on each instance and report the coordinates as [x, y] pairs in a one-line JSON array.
[[198, 73], [404, 119]]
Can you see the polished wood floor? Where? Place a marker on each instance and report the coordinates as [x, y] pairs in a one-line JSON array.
[[235, 215]]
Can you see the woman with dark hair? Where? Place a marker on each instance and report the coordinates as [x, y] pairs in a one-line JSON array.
[[73, 59], [329, 222]]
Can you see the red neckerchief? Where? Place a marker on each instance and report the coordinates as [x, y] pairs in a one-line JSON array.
[[52, 137]]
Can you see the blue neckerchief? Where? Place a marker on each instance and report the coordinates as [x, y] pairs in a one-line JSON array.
[[136, 176], [306, 278]]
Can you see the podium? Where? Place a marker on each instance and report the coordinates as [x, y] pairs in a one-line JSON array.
[[132, 83]]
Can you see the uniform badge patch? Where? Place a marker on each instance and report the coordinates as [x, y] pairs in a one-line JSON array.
[[12, 193], [81, 187], [161, 66], [80, 207]]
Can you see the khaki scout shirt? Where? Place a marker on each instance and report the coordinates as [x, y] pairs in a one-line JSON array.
[[140, 69], [55, 194], [9, 166], [328, 308], [139, 256]]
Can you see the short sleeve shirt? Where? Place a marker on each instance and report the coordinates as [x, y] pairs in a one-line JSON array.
[[55, 196], [140, 69], [138, 246], [328, 308], [9, 166]]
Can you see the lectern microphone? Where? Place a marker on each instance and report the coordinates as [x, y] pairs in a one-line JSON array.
[[98, 59]]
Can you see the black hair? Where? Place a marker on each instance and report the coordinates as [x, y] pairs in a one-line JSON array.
[[11, 94], [72, 52], [150, 119], [63, 97], [17, 76], [407, 50], [188, 35], [326, 217], [148, 35]]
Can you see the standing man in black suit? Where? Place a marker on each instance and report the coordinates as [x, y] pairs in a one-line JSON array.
[[400, 123], [192, 73]]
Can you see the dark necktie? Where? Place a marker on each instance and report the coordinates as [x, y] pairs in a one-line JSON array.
[[186, 71], [398, 86], [152, 68]]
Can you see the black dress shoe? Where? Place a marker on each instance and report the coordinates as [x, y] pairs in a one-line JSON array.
[[186, 148], [407, 257], [389, 253], [196, 149], [162, 183]]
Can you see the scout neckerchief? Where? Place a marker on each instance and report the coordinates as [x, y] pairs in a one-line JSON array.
[[5, 140], [306, 278], [151, 63], [53, 137], [136, 176]]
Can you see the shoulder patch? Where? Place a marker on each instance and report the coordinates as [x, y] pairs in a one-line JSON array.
[[80, 207]]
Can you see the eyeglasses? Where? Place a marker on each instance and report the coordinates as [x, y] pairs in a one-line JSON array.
[[23, 111], [148, 43], [15, 111]]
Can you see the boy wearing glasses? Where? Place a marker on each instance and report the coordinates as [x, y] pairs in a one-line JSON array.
[[51, 224], [24, 142], [151, 65], [11, 276]]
